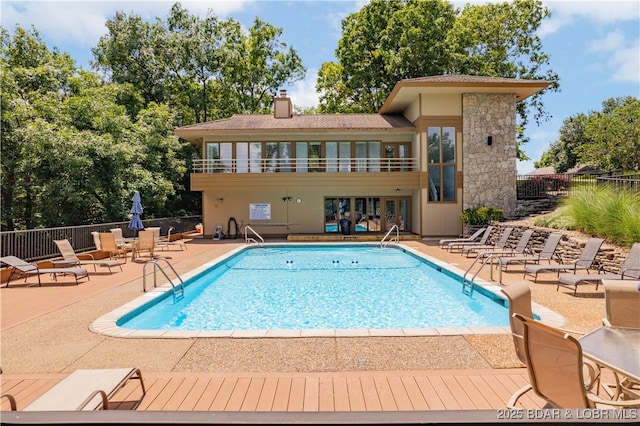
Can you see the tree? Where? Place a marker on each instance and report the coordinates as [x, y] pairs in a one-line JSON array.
[[387, 41], [613, 136], [562, 154]]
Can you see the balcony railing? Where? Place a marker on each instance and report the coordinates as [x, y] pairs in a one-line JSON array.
[[37, 244], [305, 165]]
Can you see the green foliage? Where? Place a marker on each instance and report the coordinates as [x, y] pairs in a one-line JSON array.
[[481, 215], [559, 219], [387, 41], [607, 212], [608, 139]]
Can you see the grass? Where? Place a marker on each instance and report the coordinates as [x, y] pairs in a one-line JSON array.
[[606, 212]]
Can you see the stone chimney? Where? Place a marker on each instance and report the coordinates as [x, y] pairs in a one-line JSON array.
[[282, 107]]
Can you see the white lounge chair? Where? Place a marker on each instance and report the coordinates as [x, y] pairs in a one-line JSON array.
[[21, 268], [85, 390], [69, 254]]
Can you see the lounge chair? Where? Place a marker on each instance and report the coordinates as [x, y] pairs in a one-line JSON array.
[[108, 245], [630, 269], [146, 242], [474, 237], [519, 297], [520, 248], [547, 253], [555, 365], [165, 242], [85, 390], [584, 262], [21, 268], [482, 241], [69, 254]]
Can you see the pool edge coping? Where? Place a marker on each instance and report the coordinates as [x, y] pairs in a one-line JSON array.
[[107, 324]]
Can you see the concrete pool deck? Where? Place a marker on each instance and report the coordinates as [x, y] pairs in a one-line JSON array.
[[46, 329]]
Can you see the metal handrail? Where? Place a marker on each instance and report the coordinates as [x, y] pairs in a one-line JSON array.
[[396, 238], [178, 290], [248, 239], [303, 165]]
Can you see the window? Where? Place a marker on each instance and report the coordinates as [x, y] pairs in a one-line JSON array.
[[441, 150]]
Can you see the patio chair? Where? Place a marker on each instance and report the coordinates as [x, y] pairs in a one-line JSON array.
[[146, 242], [555, 365], [630, 269], [519, 297], [120, 241], [584, 262], [520, 249], [86, 390], [547, 253], [108, 245], [474, 237], [482, 241], [96, 240], [21, 268], [166, 241], [501, 244], [69, 254], [622, 307]]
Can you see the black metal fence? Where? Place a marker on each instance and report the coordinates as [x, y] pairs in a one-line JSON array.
[[545, 186], [37, 244]]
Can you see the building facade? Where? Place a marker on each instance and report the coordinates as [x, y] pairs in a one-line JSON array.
[[438, 145]]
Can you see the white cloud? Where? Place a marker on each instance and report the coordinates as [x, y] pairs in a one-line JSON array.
[[599, 12], [623, 63], [303, 93]]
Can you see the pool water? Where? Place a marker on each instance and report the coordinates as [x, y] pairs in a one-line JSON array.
[[321, 287]]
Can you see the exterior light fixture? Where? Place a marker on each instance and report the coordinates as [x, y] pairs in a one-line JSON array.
[[490, 140]]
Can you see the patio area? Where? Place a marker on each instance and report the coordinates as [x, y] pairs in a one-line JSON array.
[[45, 336]]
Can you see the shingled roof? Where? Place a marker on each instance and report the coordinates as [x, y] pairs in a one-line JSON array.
[[306, 122]]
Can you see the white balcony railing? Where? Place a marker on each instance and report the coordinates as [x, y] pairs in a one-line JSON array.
[[305, 165]]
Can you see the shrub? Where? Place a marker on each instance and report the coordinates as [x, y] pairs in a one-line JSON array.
[[607, 212], [482, 215]]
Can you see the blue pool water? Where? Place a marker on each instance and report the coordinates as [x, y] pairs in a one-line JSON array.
[[321, 287], [333, 227]]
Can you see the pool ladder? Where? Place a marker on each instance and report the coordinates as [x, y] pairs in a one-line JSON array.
[[396, 238], [178, 288], [249, 239], [467, 286]]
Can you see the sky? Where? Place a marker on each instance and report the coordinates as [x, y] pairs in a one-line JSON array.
[[594, 45]]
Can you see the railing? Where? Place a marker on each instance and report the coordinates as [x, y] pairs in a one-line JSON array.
[[559, 184], [396, 238], [248, 239], [37, 244], [178, 289], [305, 165]]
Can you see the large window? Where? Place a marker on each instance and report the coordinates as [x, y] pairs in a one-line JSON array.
[[441, 156]]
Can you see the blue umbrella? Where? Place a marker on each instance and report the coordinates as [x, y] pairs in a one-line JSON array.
[[135, 223]]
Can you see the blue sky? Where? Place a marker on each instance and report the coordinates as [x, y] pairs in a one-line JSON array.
[[594, 45]]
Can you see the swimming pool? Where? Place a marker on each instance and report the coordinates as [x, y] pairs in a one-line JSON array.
[[398, 281]]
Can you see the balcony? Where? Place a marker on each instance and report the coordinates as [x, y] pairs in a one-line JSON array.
[[305, 165]]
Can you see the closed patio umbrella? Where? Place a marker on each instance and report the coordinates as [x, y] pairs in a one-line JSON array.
[[135, 223]]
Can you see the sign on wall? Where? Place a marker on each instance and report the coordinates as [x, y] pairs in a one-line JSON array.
[[260, 211]]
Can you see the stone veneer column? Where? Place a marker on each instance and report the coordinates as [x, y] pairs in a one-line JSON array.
[[489, 172]]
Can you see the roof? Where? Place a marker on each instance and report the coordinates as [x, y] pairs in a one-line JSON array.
[[406, 91], [300, 123]]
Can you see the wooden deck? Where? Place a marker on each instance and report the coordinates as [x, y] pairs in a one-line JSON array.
[[303, 392]]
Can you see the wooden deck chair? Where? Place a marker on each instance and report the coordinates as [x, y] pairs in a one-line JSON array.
[[519, 297], [86, 390], [24, 269], [108, 245], [474, 237], [68, 253], [630, 269], [584, 262], [459, 245], [146, 242], [547, 253], [555, 366]]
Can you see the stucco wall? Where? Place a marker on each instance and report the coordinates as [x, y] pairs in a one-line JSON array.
[[489, 170]]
